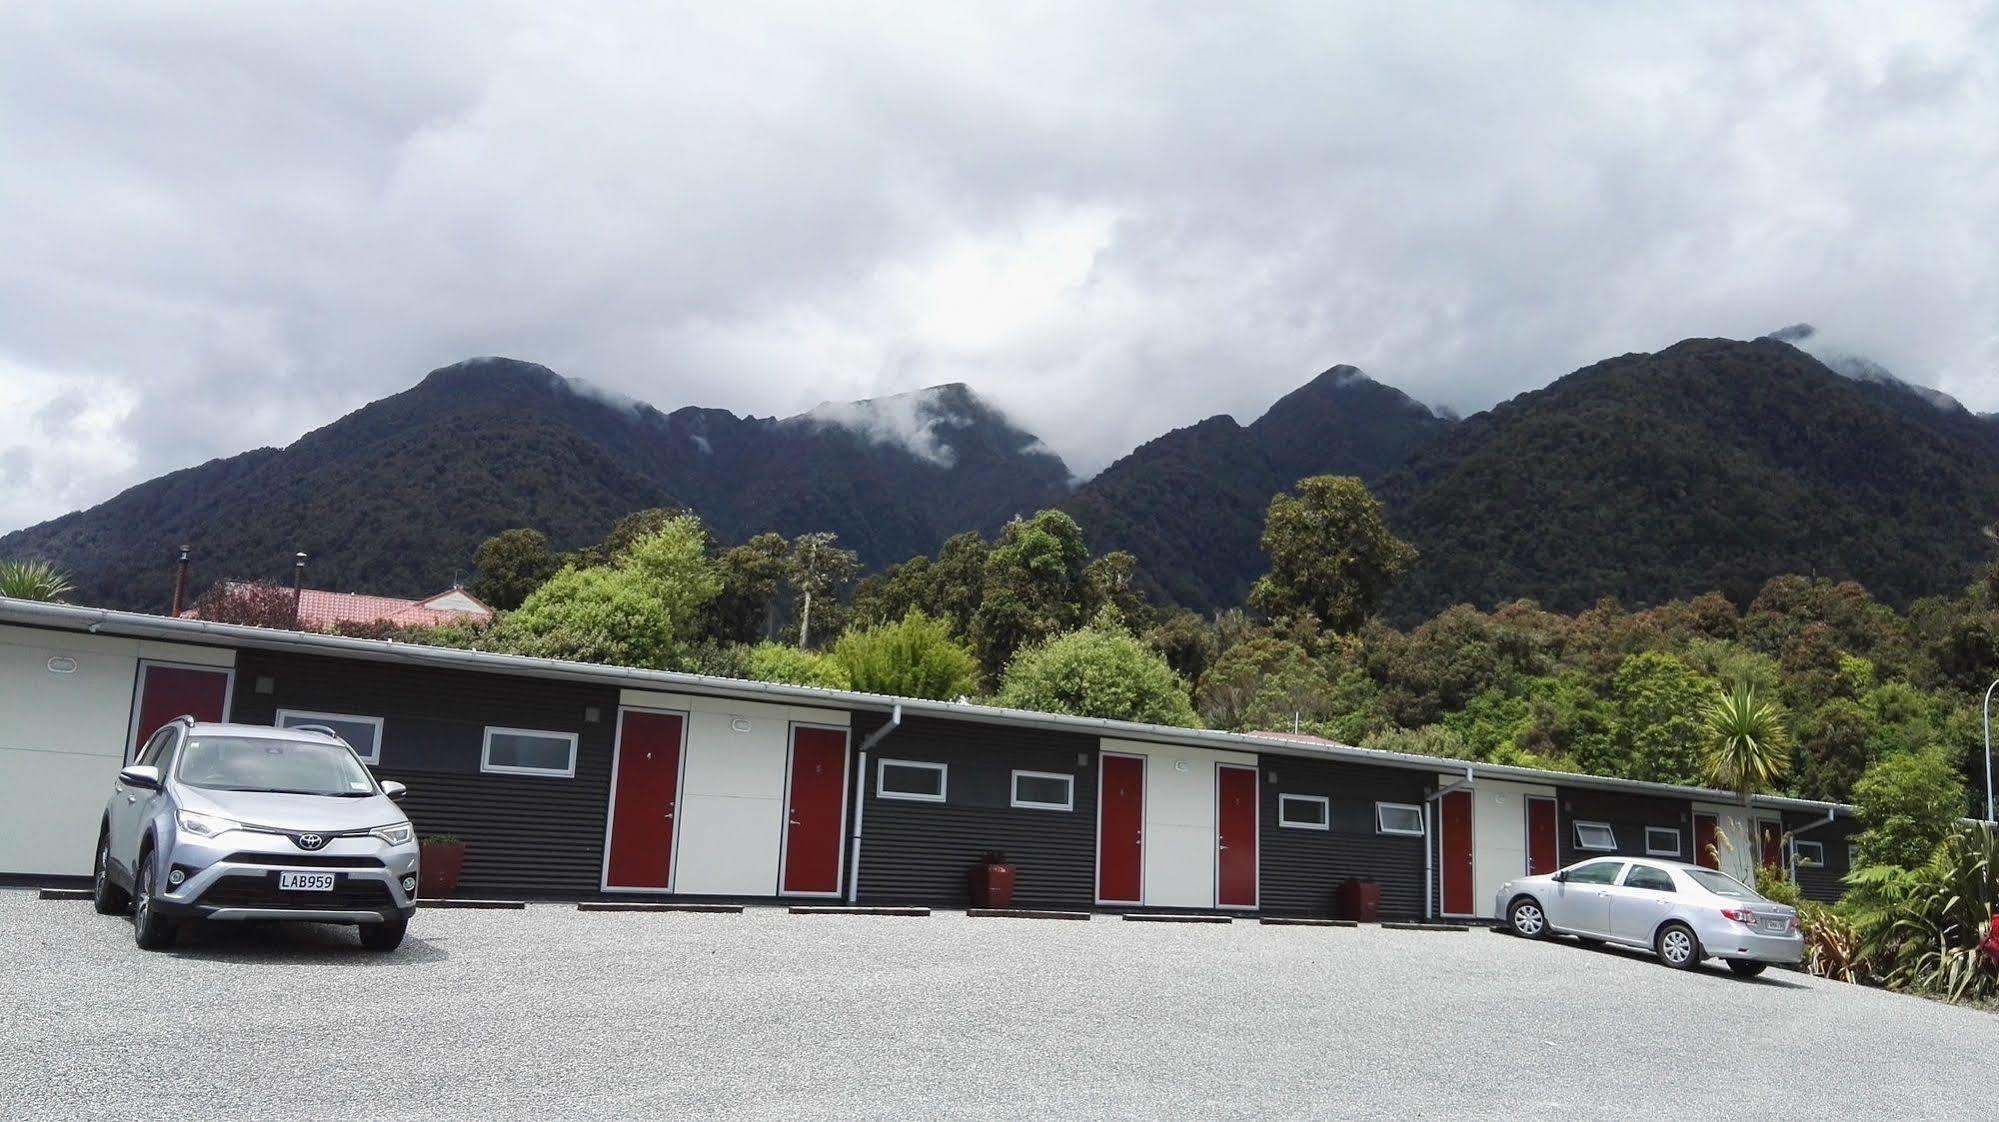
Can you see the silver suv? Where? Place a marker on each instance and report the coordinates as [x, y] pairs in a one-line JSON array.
[[243, 822]]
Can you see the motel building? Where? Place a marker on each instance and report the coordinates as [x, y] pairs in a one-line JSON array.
[[575, 781]]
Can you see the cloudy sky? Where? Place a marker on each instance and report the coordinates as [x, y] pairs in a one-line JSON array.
[[225, 225]]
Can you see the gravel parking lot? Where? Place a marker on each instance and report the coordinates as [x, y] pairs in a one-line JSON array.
[[552, 1013]]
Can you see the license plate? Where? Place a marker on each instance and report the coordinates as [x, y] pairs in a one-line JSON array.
[[306, 882], [1776, 926]]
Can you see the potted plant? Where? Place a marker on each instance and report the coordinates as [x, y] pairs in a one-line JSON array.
[[440, 858], [992, 881]]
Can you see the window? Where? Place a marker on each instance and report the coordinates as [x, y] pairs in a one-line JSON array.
[[910, 779], [1648, 876], [1304, 812], [1043, 790], [363, 734], [1808, 853], [1595, 835], [1662, 841], [1398, 818], [528, 752], [1596, 872]]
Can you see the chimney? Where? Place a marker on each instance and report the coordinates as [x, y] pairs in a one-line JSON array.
[[180, 583], [298, 586]]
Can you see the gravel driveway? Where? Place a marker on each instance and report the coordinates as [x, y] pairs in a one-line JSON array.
[[551, 1013]]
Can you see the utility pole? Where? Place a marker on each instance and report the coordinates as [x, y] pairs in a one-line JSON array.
[[298, 586]]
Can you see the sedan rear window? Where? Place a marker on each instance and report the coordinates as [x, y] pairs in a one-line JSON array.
[[1721, 884], [245, 763]]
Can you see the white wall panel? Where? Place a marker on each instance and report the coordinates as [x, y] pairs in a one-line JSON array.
[[1736, 846], [1499, 835], [1179, 820]]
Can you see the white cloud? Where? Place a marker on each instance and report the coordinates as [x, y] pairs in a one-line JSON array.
[[229, 224]]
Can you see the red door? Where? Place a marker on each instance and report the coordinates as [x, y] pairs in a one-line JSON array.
[[644, 797], [815, 811], [1121, 830], [1543, 854], [1454, 849], [1770, 841], [1707, 836], [166, 692], [1235, 837]]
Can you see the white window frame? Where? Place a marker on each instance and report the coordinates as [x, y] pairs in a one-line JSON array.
[[1324, 804], [1798, 857], [353, 718], [1657, 851], [1381, 827], [1587, 847], [486, 753], [1068, 780], [943, 780]]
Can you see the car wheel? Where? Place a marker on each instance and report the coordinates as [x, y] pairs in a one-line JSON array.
[[1678, 946], [107, 898], [1744, 968], [384, 936], [151, 930], [1527, 918]]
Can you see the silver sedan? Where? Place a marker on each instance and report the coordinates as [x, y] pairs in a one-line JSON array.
[[1682, 913]]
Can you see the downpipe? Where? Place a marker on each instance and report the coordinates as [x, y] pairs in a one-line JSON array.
[[861, 800]]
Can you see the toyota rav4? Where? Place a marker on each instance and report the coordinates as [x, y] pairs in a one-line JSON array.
[[243, 822]]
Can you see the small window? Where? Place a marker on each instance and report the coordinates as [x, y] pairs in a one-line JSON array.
[[363, 734], [1595, 835], [1662, 841], [1808, 854], [910, 779], [529, 752], [1650, 877], [1398, 818], [1304, 812], [1043, 790], [1596, 872]]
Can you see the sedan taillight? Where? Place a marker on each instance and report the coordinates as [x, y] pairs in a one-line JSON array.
[[1740, 915]]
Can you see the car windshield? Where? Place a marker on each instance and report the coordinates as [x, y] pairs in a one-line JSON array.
[[297, 767], [1721, 884]]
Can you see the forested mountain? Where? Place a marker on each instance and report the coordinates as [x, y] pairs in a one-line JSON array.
[[1190, 504], [1709, 466], [394, 497]]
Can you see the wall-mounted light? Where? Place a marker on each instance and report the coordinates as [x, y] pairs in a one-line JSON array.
[[1179, 765], [740, 724], [62, 664], [1272, 775], [1082, 759], [266, 684], [592, 714]]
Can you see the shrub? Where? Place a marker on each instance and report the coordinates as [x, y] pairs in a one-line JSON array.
[[781, 662], [1922, 927], [1099, 671], [913, 657], [34, 580], [1908, 804]]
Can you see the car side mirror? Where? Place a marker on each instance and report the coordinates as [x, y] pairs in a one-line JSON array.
[[1562, 877], [394, 790], [141, 775]]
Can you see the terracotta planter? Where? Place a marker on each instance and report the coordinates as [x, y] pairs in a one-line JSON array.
[[438, 866], [992, 885]]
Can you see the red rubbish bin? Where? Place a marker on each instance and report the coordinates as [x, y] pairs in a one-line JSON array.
[[1360, 899], [992, 885]]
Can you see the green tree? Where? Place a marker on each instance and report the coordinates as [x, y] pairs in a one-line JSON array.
[[753, 576], [912, 657], [511, 564], [1033, 587], [1906, 804], [1660, 705], [1831, 751], [819, 573], [1744, 750], [1265, 683], [1112, 580], [782, 662], [642, 610], [1185, 641], [34, 580], [1331, 554], [1098, 671]]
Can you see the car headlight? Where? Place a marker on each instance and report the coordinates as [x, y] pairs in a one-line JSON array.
[[204, 825], [395, 834]]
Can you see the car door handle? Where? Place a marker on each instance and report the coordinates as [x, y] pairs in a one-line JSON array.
[[130, 799]]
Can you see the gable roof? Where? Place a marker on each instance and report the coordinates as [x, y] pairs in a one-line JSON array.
[[68, 617], [321, 610]]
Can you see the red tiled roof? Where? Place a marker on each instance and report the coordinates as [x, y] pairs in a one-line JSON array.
[[319, 610]]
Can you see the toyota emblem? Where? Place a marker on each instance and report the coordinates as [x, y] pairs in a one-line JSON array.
[[310, 841]]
